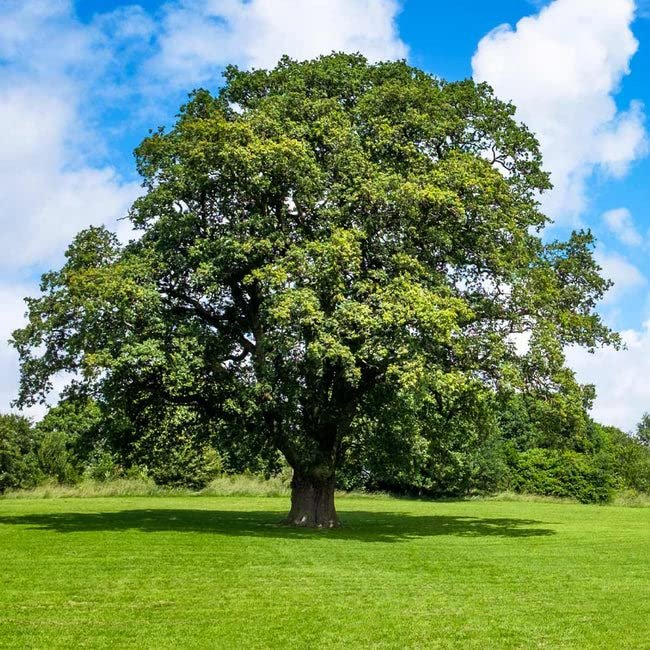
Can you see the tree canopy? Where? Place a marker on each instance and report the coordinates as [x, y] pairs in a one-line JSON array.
[[333, 256]]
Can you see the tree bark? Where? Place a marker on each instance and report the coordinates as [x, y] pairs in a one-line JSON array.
[[312, 501]]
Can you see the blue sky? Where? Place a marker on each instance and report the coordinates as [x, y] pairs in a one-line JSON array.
[[82, 81]]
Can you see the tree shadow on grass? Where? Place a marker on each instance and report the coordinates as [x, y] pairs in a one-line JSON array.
[[357, 525]]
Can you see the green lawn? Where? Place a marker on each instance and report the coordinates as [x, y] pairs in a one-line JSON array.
[[220, 572]]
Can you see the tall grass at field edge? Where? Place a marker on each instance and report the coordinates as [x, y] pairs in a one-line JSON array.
[[247, 485]]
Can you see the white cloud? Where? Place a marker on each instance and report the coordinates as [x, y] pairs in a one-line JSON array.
[[49, 189], [52, 64], [126, 23], [621, 225], [45, 200], [41, 35], [12, 309], [626, 276], [561, 68], [200, 36], [621, 378]]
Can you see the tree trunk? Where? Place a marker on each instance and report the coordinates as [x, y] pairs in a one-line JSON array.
[[312, 501]]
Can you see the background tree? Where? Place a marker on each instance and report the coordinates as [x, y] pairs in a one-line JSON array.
[[19, 467], [643, 430], [334, 255]]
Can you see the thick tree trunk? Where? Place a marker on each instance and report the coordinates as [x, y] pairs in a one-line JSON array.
[[312, 501]]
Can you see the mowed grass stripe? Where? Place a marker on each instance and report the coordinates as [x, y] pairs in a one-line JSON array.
[[221, 572]]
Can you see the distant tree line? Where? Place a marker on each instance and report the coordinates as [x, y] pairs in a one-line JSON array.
[[517, 443], [531, 446]]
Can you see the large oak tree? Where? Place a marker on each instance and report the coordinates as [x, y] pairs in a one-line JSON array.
[[332, 254]]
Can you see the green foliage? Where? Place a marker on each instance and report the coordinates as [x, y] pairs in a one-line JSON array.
[[19, 467], [554, 448], [174, 447], [335, 256], [557, 473], [56, 457], [68, 436], [446, 454], [558, 420], [80, 422], [643, 430], [182, 464], [628, 458], [102, 464], [551, 447]]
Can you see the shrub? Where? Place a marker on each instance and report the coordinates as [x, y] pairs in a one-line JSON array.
[[102, 464], [184, 465], [80, 423], [561, 473], [19, 467], [56, 458], [629, 459]]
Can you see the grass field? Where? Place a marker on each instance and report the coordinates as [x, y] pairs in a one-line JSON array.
[[199, 572]]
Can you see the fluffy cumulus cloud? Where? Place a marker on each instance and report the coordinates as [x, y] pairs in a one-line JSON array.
[[625, 276], [199, 37], [46, 199], [562, 68], [621, 224], [621, 378], [50, 190]]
